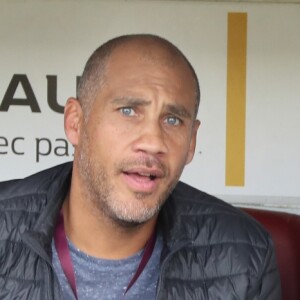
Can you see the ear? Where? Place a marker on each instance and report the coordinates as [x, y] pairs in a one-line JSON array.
[[193, 141], [73, 118]]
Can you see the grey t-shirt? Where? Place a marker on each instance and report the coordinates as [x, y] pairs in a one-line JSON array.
[[98, 279]]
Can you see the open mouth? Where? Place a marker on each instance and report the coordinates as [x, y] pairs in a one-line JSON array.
[[142, 180], [142, 176]]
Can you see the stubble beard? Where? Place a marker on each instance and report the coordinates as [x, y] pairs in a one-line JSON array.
[[102, 193]]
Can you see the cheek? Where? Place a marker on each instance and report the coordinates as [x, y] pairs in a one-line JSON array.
[[179, 140], [107, 139], [113, 126], [178, 153]]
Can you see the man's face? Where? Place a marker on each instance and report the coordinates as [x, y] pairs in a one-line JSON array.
[[138, 137]]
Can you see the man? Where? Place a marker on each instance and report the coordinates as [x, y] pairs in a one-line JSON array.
[[117, 224]]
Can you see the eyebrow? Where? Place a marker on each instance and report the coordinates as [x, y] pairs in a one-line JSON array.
[[179, 110], [131, 101]]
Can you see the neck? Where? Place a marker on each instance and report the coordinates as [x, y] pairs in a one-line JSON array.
[[97, 235]]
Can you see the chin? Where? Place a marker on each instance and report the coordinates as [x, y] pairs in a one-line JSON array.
[[139, 215]]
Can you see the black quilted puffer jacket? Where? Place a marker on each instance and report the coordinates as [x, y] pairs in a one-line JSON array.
[[212, 250]]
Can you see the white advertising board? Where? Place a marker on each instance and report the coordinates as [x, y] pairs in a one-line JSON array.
[[44, 45]]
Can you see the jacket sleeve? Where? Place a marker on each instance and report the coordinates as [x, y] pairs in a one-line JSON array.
[[268, 285]]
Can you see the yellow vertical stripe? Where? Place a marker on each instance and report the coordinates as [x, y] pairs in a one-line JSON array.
[[236, 99]]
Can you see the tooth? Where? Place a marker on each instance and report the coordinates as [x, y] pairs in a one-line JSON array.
[[144, 174]]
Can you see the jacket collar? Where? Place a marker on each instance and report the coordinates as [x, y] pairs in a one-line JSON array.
[[56, 183], [171, 223]]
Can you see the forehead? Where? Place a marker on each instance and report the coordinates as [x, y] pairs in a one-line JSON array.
[[138, 65], [145, 53]]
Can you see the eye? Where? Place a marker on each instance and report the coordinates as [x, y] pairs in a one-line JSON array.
[[127, 111], [173, 121]]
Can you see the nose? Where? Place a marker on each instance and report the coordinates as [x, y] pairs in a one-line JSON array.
[[151, 139]]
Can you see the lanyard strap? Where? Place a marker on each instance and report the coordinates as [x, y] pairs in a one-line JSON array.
[[62, 248]]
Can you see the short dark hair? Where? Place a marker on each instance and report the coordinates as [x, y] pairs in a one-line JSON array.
[[93, 75]]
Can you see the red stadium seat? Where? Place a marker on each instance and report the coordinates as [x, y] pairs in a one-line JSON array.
[[285, 231]]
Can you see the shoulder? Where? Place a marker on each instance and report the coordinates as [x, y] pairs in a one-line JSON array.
[[224, 244], [197, 209], [212, 225], [36, 184], [23, 200]]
